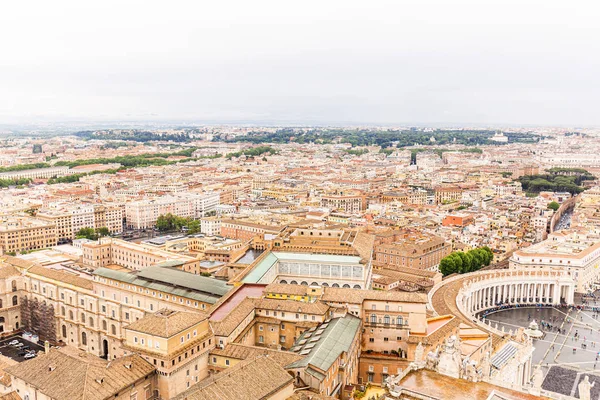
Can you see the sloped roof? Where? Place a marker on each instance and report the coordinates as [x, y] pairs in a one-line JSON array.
[[322, 345], [252, 379], [244, 352], [357, 296], [169, 280], [83, 376], [166, 323]]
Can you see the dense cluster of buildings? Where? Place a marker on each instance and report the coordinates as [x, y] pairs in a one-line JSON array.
[[310, 273]]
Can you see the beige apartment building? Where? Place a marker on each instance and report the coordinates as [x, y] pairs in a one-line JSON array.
[[18, 234], [109, 216], [398, 249], [107, 251], [447, 194], [69, 220], [177, 343], [349, 201], [63, 221], [156, 313]]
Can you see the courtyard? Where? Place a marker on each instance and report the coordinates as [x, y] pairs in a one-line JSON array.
[[572, 339]]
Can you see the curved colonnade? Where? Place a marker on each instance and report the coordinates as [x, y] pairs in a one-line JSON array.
[[466, 295]]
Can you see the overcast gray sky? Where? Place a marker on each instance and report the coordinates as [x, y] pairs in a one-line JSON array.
[[328, 61]]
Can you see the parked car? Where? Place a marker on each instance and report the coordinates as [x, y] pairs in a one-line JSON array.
[[22, 353], [29, 355], [13, 342]]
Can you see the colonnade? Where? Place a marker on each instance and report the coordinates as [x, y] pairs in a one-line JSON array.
[[492, 293]]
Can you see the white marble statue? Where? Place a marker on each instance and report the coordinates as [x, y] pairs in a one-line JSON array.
[[419, 353], [585, 388], [450, 359], [538, 378]]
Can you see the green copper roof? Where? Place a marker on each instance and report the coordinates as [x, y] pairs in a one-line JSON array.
[[324, 344], [173, 281], [260, 269]]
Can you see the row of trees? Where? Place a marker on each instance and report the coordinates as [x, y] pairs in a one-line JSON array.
[[135, 135], [369, 137], [4, 183], [92, 234], [170, 222], [253, 152], [554, 183], [460, 262], [23, 167]]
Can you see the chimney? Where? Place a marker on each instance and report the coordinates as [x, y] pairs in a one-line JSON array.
[[46, 347]]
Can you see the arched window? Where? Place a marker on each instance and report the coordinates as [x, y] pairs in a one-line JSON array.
[[373, 318], [283, 281], [64, 331], [15, 300], [113, 330], [386, 319], [399, 320], [314, 284], [356, 286], [104, 326], [325, 284], [83, 339], [293, 283], [304, 283], [91, 322], [71, 315], [13, 284], [335, 285], [346, 286]]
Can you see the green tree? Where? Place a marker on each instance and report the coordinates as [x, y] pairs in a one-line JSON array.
[[478, 259], [193, 227], [165, 222], [103, 231], [467, 261], [553, 205], [87, 233], [458, 262], [447, 266]]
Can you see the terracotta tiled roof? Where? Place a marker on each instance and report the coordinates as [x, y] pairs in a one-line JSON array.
[[8, 270], [61, 276], [248, 380], [228, 324], [63, 376], [167, 323], [292, 306], [11, 396], [282, 288], [357, 296], [243, 352]]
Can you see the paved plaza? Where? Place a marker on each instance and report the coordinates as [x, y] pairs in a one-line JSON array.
[[577, 345]]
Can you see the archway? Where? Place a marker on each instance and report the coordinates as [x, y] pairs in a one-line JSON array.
[[104, 349]]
